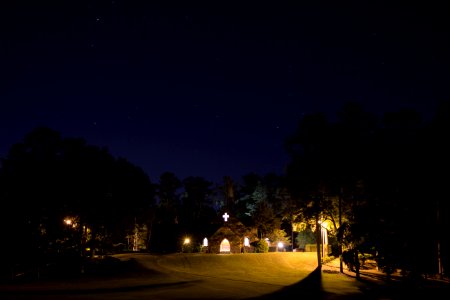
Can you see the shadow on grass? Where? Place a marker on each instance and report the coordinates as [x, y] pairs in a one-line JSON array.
[[401, 288], [104, 268], [114, 267], [379, 286], [97, 272], [123, 289], [370, 287], [308, 288]]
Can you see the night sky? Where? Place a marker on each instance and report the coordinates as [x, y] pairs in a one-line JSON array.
[[211, 90]]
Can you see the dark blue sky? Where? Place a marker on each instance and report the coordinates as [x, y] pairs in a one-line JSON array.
[[208, 90]]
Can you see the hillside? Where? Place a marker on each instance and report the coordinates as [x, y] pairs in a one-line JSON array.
[[274, 268], [219, 276]]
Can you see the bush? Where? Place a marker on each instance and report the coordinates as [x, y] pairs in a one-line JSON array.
[[187, 248], [349, 258], [261, 246]]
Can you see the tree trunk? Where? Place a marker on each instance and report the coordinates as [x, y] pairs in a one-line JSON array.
[[341, 265], [318, 242], [439, 259], [356, 258]]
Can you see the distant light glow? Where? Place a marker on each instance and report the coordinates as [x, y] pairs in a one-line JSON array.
[[187, 241], [325, 224], [280, 245], [71, 221], [246, 242], [205, 242]]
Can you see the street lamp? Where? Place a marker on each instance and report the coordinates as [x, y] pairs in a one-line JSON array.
[[186, 247], [280, 246], [71, 222]]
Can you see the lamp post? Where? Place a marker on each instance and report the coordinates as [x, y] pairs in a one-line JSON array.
[[439, 258], [323, 236]]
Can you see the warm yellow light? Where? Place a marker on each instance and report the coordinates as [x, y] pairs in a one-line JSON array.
[[280, 245], [68, 221], [325, 224], [187, 241]]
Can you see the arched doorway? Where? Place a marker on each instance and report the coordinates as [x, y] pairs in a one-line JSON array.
[[225, 246]]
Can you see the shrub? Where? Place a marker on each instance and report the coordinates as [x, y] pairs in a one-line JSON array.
[[187, 248], [261, 246]]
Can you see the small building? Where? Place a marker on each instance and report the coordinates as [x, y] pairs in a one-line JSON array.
[[231, 238]]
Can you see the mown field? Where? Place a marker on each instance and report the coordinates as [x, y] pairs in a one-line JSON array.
[[212, 276]]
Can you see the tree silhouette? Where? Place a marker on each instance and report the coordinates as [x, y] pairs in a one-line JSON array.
[[382, 175], [168, 213], [46, 178]]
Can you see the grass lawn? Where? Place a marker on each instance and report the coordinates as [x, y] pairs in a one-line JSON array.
[[220, 276]]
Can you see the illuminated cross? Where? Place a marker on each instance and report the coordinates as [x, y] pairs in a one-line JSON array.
[[225, 216]]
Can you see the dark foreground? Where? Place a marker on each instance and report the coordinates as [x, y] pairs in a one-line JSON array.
[[187, 277]]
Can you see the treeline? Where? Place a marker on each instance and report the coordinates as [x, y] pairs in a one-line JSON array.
[[379, 183], [61, 196], [65, 201]]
